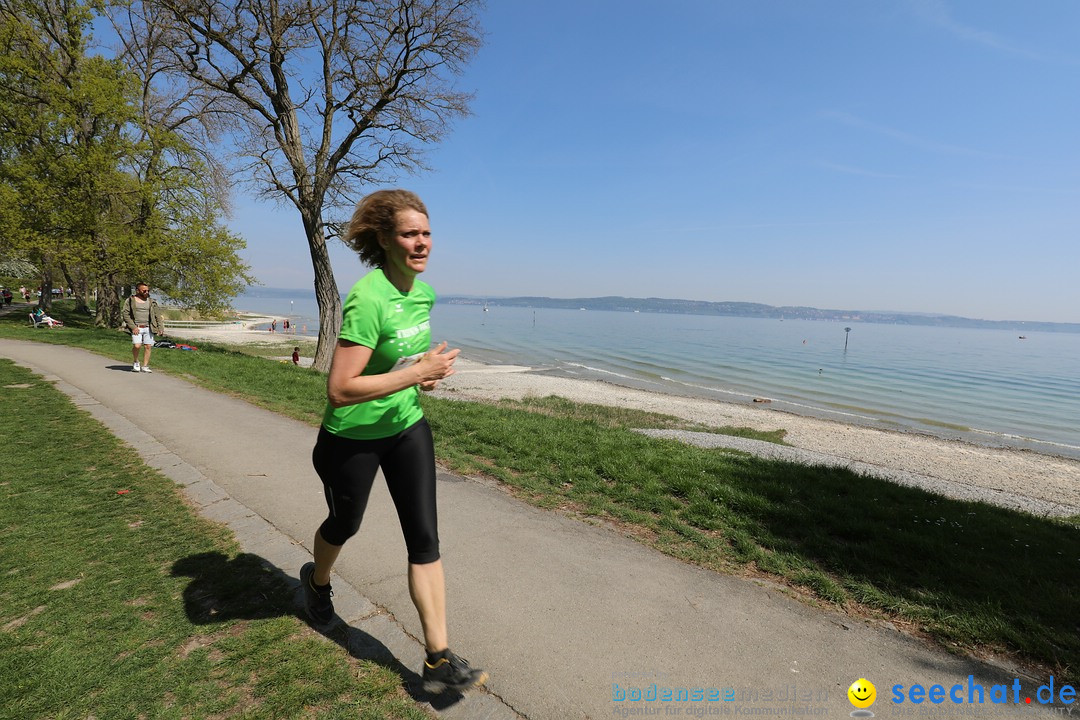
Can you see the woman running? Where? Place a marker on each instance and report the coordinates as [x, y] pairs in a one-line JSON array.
[[373, 419]]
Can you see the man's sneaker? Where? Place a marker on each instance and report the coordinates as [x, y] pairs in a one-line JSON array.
[[451, 673], [146, 369], [135, 367], [317, 602]]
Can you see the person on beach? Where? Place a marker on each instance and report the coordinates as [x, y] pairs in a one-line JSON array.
[[143, 319], [296, 356], [373, 419]]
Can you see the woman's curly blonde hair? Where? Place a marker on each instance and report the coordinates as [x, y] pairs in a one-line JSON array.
[[375, 219]]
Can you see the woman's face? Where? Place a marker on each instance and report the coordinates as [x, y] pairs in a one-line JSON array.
[[407, 252]]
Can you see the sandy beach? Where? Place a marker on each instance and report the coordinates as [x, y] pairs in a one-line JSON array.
[[1041, 484], [244, 332], [239, 332]]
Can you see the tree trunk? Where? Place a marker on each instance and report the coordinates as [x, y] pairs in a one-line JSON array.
[[83, 293], [78, 289], [45, 300], [326, 294], [108, 303]]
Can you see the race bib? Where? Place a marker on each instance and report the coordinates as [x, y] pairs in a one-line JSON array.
[[407, 361]]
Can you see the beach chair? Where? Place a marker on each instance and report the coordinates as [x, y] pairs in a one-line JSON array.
[[45, 321]]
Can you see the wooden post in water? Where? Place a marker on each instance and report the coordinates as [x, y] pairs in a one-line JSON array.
[[847, 334]]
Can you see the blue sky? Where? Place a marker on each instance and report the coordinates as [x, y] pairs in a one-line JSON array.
[[910, 155]]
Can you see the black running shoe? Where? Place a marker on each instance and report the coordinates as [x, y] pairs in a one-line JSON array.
[[451, 673], [317, 603]]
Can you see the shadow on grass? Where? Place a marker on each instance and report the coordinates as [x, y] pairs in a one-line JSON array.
[[249, 587], [242, 588], [967, 571]]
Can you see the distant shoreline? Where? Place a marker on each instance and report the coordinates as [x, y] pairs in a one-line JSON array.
[[757, 310], [728, 309]]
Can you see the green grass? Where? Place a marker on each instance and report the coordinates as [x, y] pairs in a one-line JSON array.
[[128, 605], [970, 576]]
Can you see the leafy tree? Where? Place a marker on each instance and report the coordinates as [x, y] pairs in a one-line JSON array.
[[321, 96], [189, 254], [91, 189], [47, 158]]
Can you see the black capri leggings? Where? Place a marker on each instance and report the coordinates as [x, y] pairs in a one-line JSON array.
[[347, 468]]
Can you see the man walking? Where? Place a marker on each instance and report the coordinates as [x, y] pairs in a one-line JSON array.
[[142, 318]]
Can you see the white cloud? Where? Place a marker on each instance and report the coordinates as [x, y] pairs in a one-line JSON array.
[[938, 14], [861, 171], [903, 137]]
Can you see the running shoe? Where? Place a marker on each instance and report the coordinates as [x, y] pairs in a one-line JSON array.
[[317, 602], [146, 369], [135, 367], [451, 673]]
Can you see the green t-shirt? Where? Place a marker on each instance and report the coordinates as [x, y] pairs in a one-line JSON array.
[[397, 328]]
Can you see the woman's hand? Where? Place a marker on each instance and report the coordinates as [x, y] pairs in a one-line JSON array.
[[435, 365]]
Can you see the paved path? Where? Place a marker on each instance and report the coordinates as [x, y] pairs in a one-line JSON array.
[[565, 616]]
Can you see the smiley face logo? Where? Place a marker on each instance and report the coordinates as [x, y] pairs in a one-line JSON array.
[[862, 693]]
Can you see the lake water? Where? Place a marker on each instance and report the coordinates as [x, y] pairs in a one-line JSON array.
[[987, 386]]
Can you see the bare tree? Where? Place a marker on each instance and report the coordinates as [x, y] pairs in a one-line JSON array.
[[169, 102], [324, 96]]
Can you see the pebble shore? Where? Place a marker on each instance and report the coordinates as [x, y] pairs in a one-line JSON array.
[[1024, 480]]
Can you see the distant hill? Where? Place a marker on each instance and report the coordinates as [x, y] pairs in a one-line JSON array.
[[744, 309]]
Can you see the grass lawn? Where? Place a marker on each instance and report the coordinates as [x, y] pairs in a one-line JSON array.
[[129, 606], [969, 576]]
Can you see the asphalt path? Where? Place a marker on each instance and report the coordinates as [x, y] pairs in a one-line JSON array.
[[572, 620]]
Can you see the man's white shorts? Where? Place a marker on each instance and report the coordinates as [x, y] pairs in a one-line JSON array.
[[142, 336]]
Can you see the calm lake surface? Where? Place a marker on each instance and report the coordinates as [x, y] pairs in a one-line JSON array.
[[986, 386]]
